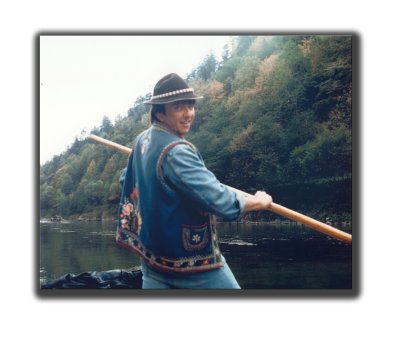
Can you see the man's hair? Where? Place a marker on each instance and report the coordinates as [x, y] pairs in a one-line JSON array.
[[155, 108]]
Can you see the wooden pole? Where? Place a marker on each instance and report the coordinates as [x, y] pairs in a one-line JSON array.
[[118, 147], [278, 209], [310, 222], [301, 218]]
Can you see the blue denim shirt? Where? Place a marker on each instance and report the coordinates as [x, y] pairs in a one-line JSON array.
[[185, 170]]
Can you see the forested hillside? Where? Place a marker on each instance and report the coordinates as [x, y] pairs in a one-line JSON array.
[[276, 115]]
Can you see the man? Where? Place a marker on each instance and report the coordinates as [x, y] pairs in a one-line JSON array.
[[168, 198]]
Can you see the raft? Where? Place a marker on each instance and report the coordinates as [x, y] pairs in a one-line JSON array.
[[110, 279]]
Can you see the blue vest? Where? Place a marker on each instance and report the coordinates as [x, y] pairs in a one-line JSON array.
[[165, 228]]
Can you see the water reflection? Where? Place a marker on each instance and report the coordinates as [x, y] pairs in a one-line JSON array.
[[80, 247], [286, 257], [261, 255]]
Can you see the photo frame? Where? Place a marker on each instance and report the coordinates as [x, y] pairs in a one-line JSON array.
[[279, 114]]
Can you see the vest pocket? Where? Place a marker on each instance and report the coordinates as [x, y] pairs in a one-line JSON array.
[[195, 237]]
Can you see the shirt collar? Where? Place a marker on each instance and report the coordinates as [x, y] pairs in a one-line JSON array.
[[163, 127]]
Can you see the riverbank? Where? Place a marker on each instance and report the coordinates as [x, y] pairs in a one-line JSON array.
[[105, 213], [88, 217]]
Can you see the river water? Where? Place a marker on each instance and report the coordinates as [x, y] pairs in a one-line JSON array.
[[262, 256]]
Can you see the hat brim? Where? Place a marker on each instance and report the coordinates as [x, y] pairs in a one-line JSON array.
[[176, 98]]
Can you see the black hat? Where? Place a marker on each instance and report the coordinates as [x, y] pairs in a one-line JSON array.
[[172, 88]]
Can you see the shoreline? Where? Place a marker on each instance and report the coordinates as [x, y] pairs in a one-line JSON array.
[[345, 223]]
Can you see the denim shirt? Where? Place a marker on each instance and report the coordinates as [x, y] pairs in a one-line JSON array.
[[185, 171], [165, 207]]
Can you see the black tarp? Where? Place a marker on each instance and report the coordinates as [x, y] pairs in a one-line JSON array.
[[111, 279]]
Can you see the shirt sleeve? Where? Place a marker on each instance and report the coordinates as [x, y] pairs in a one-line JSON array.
[[185, 170]]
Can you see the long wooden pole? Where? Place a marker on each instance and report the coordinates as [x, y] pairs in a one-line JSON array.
[[278, 209]]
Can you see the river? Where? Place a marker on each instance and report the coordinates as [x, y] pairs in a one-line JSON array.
[[262, 256]]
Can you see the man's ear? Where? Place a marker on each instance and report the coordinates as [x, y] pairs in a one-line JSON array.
[[160, 116]]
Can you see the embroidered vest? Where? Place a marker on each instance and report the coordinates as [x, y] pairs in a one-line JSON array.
[[165, 228]]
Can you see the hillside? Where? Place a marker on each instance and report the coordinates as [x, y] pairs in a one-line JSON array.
[[276, 115]]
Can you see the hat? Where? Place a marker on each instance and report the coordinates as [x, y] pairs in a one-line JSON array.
[[172, 88]]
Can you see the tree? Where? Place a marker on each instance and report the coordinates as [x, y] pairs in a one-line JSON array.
[[208, 67], [67, 185], [246, 73], [47, 197], [243, 44], [91, 169], [331, 66], [106, 125], [94, 192], [109, 169], [325, 157], [288, 84], [139, 108], [226, 54]]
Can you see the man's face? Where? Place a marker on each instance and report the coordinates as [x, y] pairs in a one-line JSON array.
[[178, 117]]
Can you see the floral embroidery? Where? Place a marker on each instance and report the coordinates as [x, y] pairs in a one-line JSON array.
[[130, 217], [135, 194], [130, 241], [196, 238]]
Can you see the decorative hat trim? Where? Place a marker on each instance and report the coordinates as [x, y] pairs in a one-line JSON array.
[[173, 93]]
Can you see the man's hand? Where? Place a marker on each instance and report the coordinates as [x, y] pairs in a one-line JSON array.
[[258, 202], [264, 198]]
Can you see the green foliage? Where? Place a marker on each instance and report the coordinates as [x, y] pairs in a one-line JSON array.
[[276, 115], [66, 184], [246, 73], [243, 44], [139, 108], [106, 125], [327, 156], [207, 68], [47, 197]]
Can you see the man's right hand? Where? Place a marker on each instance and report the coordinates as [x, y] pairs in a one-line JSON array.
[[259, 202]]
